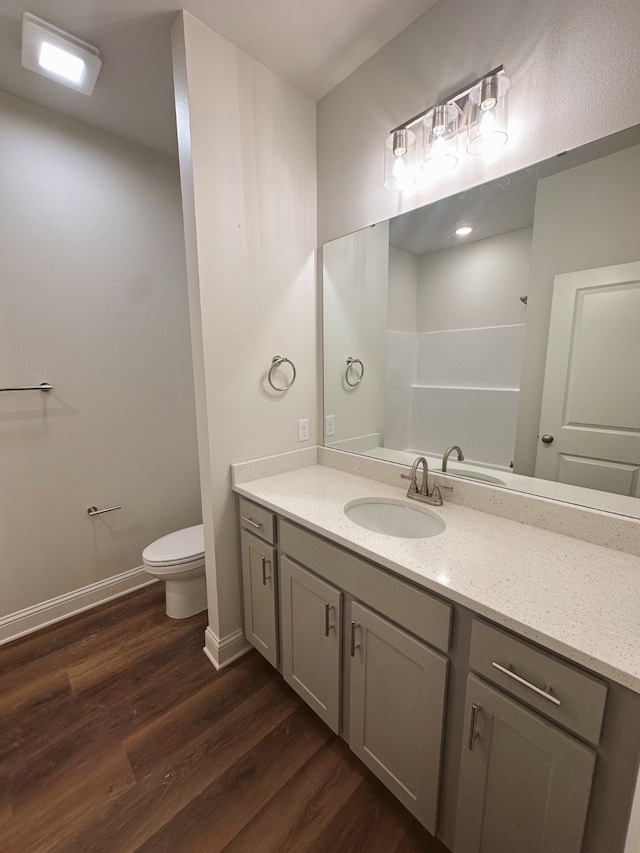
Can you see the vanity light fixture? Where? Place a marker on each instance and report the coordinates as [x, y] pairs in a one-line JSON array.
[[478, 112], [56, 54]]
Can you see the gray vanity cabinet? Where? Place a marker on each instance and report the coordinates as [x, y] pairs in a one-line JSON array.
[[524, 783], [259, 578], [396, 709], [352, 647], [260, 600], [311, 628]]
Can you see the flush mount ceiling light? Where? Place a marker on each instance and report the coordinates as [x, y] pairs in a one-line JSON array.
[[52, 52], [478, 111], [463, 230]]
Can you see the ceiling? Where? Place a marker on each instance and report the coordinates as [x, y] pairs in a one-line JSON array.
[[312, 45]]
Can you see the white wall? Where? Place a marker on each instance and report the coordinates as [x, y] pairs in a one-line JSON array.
[[585, 217], [355, 285], [572, 65], [93, 299], [247, 161]]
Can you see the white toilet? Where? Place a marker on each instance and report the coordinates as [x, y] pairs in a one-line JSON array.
[[178, 559]]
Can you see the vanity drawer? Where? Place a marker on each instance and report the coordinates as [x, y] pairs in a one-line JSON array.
[[552, 686], [419, 612], [257, 520]]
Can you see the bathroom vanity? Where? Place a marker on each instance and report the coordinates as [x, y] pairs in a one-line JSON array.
[[488, 675]]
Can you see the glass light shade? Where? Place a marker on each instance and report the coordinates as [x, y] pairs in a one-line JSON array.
[[440, 139], [399, 155], [488, 127]]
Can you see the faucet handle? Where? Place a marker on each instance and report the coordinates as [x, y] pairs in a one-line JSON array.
[[413, 483], [435, 496]]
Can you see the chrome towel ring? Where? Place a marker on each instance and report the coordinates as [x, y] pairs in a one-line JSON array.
[[351, 362], [276, 361]]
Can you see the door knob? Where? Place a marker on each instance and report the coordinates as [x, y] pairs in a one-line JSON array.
[[547, 439]]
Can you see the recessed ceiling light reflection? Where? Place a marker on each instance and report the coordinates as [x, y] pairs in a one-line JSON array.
[[463, 230]]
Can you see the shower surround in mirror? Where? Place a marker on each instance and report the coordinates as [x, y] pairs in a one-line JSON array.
[[460, 355], [454, 351]]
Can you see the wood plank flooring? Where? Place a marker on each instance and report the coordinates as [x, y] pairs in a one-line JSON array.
[[117, 735]]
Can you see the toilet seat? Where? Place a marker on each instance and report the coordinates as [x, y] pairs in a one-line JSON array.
[[183, 548]]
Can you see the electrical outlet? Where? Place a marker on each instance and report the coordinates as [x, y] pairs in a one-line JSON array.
[[303, 429], [330, 425]]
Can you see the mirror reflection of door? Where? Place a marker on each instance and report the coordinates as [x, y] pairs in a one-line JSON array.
[[590, 418]]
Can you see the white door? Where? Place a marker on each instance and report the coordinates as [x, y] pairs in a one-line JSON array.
[[590, 418]]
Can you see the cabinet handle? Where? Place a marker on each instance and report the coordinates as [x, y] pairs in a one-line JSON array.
[[538, 690], [265, 576], [327, 626], [256, 524], [354, 645], [472, 727]]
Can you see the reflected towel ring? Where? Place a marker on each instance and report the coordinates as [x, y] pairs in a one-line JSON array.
[[350, 363], [276, 361]]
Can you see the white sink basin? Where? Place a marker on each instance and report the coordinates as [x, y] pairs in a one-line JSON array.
[[394, 518], [474, 475]]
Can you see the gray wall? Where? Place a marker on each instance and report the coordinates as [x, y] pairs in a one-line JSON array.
[[93, 299]]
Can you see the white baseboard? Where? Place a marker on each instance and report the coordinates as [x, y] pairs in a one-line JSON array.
[[223, 652], [56, 609]]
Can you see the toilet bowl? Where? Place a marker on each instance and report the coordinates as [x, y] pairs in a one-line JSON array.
[[178, 560]]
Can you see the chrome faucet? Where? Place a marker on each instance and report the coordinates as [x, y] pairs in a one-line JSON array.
[[422, 493], [447, 453]]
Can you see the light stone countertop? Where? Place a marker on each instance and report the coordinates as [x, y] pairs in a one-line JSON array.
[[575, 598]]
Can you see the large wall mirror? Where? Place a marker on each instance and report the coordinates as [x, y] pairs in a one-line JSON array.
[[519, 341]]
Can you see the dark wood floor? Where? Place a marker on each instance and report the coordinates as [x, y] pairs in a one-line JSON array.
[[116, 734]]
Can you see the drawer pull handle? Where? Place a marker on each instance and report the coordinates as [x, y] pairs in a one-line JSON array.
[[327, 626], [472, 727], [540, 692], [265, 576], [256, 524], [354, 645]]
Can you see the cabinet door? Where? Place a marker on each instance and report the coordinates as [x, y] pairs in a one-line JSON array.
[[311, 619], [259, 595], [396, 710], [524, 783]]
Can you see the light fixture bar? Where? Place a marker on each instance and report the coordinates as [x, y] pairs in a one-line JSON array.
[[456, 96]]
